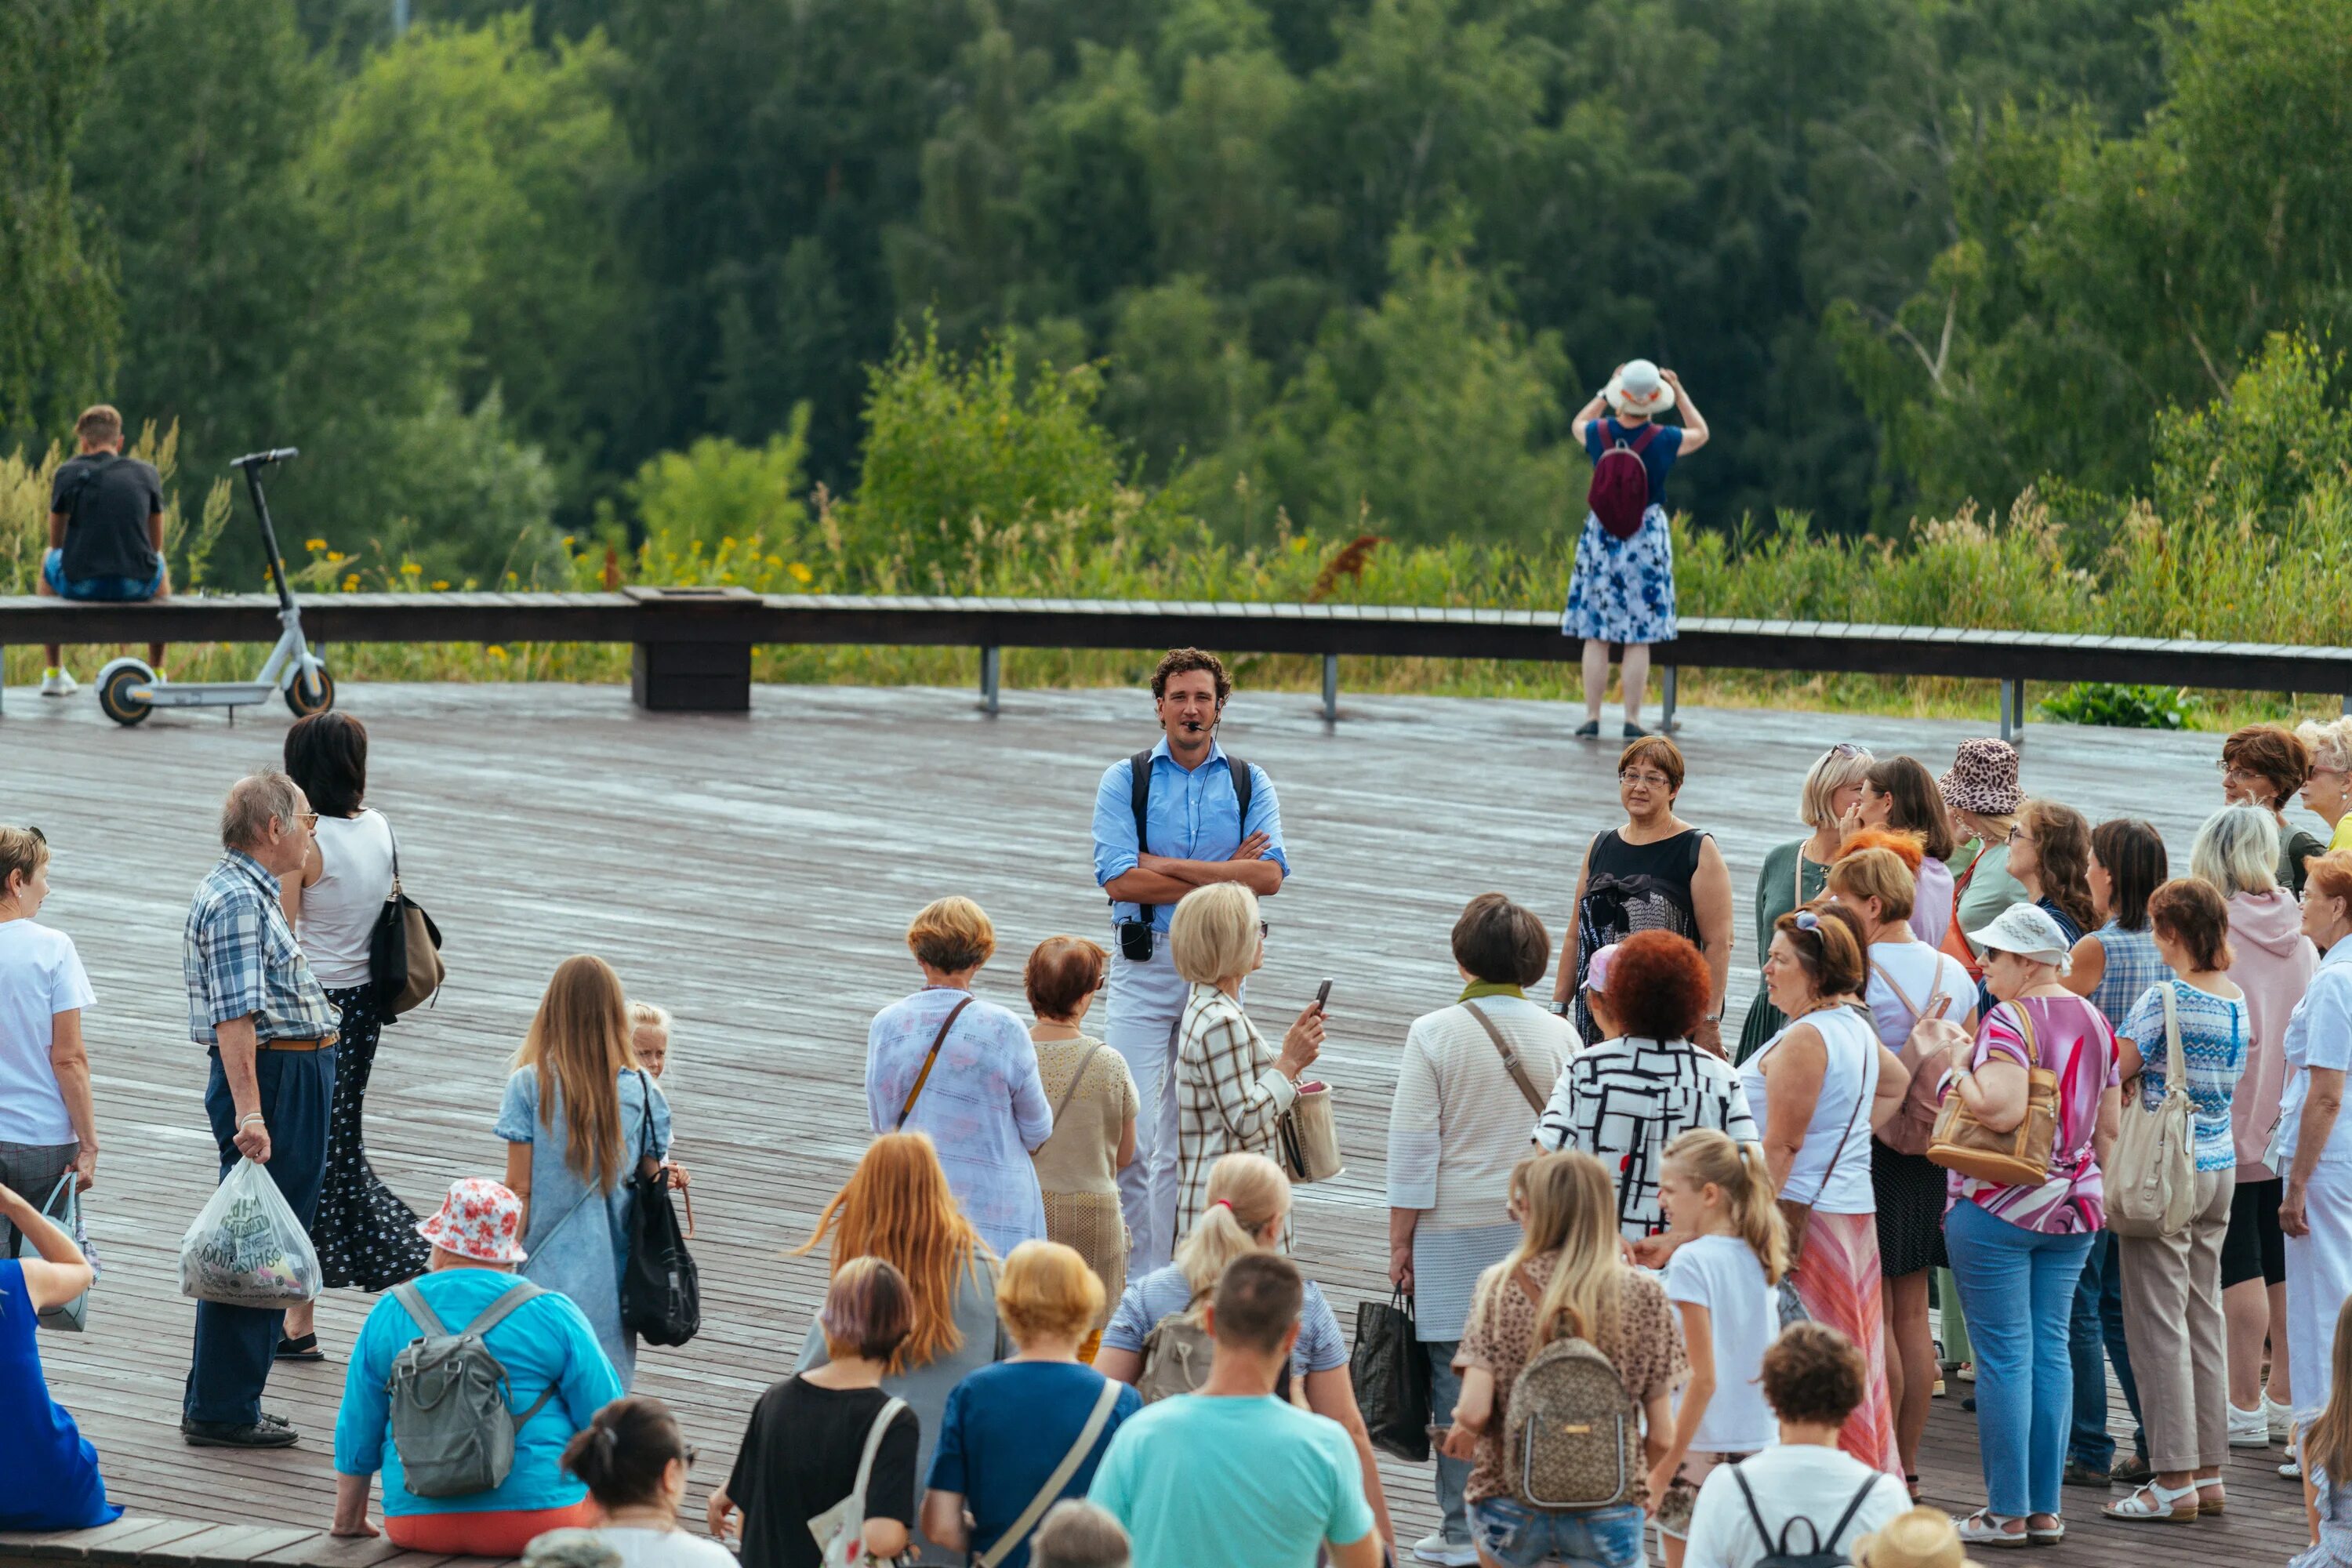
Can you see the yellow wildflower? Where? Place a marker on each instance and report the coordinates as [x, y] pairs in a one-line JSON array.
[[314, 544], [440, 584], [801, 573], [495, 651], [333, 556], [351, 584], [411, 569]]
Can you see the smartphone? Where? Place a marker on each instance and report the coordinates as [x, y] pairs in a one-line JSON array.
[[1323, 996]]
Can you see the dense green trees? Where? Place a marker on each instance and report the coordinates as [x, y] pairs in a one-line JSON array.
[[1344, 262]]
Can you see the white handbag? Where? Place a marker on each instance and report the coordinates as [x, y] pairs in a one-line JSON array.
[[840, 1531], [2151, 1177]]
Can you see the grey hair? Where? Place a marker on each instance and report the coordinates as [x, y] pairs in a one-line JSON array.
[[2237, 850], [1079, 1535], [2330, 742], [262, 798]]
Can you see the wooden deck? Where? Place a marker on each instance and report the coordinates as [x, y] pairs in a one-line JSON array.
[[754, 874]]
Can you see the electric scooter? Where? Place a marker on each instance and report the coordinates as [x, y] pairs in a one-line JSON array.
[[128, 690]]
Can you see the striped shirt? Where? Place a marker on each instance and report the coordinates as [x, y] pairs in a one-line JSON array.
[[1229, 1095], [2213, 1035], [1624, 1100], [2133, 966], [2071, 1038], [240, 959]]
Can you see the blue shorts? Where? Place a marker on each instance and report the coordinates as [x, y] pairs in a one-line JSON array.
[[1520, 1537], [99, 590]]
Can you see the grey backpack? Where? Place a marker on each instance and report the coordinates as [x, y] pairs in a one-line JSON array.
[[1175, 1357], [452, 1424]]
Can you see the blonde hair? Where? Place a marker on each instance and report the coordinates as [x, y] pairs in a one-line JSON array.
[[1992, 831], [952, 934], [2330, 742], [1245, 1191], [645, 1016], [1876, 874], [1571, 1215], [1838, 768], [2237, 850], [896, 1206], [1213, 933], [2328, 1440], [579, 1042], [1046, 1290], [1712, 1158], [21, 850]]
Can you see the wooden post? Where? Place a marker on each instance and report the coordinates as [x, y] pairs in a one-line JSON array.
[[703, 674], [1669, 679], [992, 672], [2013, 711], [1331, 689]]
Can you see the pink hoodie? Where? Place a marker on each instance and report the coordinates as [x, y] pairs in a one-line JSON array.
[[2275, 963]]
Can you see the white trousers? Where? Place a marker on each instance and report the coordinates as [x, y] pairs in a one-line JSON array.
[[1144, 1007], [2319, 1281]]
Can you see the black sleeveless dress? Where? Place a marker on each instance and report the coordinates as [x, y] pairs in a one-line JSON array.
[[1631, 888]]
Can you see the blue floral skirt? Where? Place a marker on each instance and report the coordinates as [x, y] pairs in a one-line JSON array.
[[1623, 589]]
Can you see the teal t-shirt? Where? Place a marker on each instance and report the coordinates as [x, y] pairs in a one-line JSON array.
[[1241, 1483]]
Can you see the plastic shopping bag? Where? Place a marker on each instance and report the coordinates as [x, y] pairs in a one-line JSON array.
[[246, 1248]]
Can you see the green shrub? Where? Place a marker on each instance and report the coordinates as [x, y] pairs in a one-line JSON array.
[[2121, 707]]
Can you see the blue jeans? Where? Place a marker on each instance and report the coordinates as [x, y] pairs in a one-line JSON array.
[[2018, 1288], [2099, 1322], [1453, 1474], [1520, 1537], [236, 1345], [99, 590]]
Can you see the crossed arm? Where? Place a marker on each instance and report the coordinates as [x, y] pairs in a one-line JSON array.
[[1164, 879]]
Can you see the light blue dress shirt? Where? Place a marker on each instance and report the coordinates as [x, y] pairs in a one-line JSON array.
[[1192, 816], [2318, 1035]]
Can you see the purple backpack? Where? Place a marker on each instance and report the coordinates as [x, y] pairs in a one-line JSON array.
[[1619, 494]]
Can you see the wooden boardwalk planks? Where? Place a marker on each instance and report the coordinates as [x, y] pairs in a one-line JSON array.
[[755, 877]]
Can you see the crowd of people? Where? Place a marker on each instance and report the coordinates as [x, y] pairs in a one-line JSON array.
[[1065, 1324]]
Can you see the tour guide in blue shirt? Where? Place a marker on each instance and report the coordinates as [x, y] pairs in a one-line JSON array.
[[1196, 834], [252, 1000]]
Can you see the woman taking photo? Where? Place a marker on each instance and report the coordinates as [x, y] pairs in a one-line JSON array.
[[963, 1070], [365, 1235], [2017, 1250], [1908, 980], [2263, 766], [2172, 1284], [2272, 963], [2313, 1146], [1980, 792], [1820, 1087], [2328, 793], [1231, 1087], [1622, 590], [897, 1206], [1567, 1275], [1624, 1099], [1793, 871], [1248, 1211], [579, 1116], [1898, 795], [1095, 1103], [1655, 873]]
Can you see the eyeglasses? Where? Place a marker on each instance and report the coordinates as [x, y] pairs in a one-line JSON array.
[[1849, 749], [1808, 921], [1263, 930], [692, 1454], [39, 837], [2019, 836], [1635, 777], [309, 819]]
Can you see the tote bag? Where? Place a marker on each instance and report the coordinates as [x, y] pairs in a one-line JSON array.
[[2151, 1174]]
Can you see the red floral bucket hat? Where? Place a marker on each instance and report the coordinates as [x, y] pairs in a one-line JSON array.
[[479, 1219]]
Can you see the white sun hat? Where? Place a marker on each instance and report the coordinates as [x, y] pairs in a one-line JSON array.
[[1637, 388], [2027, 932]]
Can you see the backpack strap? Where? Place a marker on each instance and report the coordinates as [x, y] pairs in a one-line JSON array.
[[491, 1316], [1139, 800], [1077, 1078], [1018, 1530], [1896, 986], [1641, 443], [413, 1300], [1860, 1496], [1511, 1063], [937, 1041], [1763, 1531]]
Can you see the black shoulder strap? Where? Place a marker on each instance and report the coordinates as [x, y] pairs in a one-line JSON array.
[[1763, 1531], [1139, 798], [1860, 1496], [1243, 785]]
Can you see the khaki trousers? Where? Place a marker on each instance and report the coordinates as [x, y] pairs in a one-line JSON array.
[[2172, 1322]]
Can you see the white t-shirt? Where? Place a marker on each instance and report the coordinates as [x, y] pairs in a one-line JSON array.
[[1799, 1481], [643, 1548], [1924, 974], [1721, 1274], [339, 909], [40, 976]]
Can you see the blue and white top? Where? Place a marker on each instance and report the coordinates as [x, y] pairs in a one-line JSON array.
[[1321, 1345], [2214, 1044], [2318, 1035], [983, 1105], [1192, 815], [2133, 966]]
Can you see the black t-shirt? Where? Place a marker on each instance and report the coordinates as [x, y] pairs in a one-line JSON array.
[[107, 501], [800, 1457]]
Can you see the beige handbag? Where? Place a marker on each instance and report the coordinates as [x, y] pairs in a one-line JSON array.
[[1307, 1139], [2151, 1174], [2017, 1158]]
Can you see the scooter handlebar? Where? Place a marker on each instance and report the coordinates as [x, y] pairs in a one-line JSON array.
[[263, 459]]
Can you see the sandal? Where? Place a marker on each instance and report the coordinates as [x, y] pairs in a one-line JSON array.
[[1983, 1528], [2040, 1536], [2155, 1503], [304, 1349], [1911, 1479], [2213, 1504]]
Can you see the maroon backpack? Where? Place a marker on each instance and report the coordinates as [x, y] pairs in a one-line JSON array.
[[1620, 493]]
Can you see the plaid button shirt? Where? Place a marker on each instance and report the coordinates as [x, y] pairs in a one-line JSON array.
[[240, 959], [1229, 1095]]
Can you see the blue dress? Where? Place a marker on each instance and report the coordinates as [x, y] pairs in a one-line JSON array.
[[1622, 590], [48, 1471], [578, 1245]]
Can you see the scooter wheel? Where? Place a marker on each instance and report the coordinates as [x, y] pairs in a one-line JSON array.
[[303, 705], [115, 698]]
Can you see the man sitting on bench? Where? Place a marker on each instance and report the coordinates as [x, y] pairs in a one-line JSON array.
[[106, 533]]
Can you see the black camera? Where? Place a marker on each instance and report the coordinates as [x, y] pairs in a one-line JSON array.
[[1134, 940]]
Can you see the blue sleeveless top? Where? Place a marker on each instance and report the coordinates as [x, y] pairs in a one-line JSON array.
[[1658, 456], [48, 1471]]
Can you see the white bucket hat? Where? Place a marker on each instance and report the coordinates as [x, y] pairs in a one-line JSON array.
[[2027, 932], [1637, 388]]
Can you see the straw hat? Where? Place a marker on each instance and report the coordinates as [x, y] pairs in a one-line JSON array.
[[1637, 388], [1982, 779], [479, 1220], [1918, 1538]]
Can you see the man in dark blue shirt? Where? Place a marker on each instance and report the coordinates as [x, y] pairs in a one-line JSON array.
[[106, 533]]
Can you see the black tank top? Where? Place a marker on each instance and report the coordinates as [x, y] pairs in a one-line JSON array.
[[1631, 888]]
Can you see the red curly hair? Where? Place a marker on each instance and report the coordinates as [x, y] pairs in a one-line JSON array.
[[1658, 985], [1909, 847]]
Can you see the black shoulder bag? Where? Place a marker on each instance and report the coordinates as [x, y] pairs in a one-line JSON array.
[[405, 949], [661, 1288]]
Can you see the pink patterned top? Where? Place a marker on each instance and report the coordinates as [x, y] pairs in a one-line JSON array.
[[2072, 1037]]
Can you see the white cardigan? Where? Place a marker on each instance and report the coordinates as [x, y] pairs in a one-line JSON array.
[[1459, 1123]]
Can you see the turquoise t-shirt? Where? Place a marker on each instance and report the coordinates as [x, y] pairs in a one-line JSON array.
[[1241, 1483]]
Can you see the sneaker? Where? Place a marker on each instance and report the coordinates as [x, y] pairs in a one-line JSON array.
[[2079, 1474], [1434, 1548], [2280, 1418], [1588, 730], [2248, 1428], [56, 683], [232, 1435], [1968, 1372], [2131, 1472], [1635, 732]]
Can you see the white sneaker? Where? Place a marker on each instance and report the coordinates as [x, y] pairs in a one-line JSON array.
[[2248, 1428], [2292, 1469], [1434, 1548], [2280, 1416], [56, 683]]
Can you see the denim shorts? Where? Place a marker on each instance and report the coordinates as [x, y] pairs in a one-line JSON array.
[[99, 590], [1520, 1537]]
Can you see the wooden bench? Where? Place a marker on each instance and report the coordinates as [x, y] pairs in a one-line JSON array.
[[150, 1542], [692, 648]]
